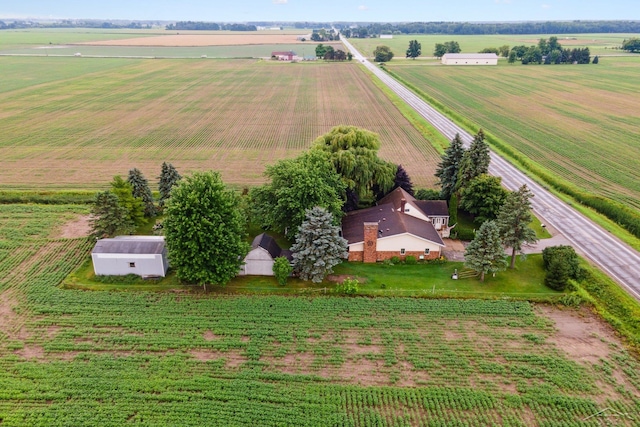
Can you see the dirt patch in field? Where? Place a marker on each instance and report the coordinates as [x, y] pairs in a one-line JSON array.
[[210, 336], [233, 358], [186, 40], [580, 334], [31, 352], [11, 322], [77, 227]]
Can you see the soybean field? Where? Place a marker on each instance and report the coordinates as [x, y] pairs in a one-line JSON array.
[[70, 357], [76, 122]]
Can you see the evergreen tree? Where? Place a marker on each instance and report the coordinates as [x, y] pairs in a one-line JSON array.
[[141, 190], [108, 218], [205, 228], [318, 246], [475, 161], [483, 197], [558, 274], [513, 221], [449, 167], [403, 180], [595, 60], [415, 49], [168, 179], [133, 205], [485, 253]]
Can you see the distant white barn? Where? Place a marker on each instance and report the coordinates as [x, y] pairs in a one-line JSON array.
[[470, 59], [145, 256], [259, 260], [386, 36]]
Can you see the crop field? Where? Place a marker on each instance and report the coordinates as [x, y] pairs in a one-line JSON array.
[[580, 122], [65, 128], [111, 358], [598, 44]]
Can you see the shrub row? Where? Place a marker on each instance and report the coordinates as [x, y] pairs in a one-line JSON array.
[[613, 210], [65, 197]]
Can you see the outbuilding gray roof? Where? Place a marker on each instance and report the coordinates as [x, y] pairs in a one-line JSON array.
[[128, 246], [270, 245]]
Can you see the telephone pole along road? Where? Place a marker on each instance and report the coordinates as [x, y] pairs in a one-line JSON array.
[[617, 259]]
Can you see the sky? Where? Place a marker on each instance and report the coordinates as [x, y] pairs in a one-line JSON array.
[[324, 10]]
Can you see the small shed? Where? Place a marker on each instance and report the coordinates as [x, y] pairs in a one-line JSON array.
[[284, 56], [145, 256], [259, 260], [470, 59]]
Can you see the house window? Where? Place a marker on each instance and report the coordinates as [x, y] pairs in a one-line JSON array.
[[426, 251], [132, 264], [402, 251]]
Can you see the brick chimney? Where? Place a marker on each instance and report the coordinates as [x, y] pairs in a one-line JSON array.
[[370, 242], [403, 203]]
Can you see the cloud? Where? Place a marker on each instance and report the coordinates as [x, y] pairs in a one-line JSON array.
[[280, 1], [546, 6], [363, 7]]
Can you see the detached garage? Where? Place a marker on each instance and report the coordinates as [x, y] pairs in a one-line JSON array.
[[145, 256], [259, 260], [470, 59]]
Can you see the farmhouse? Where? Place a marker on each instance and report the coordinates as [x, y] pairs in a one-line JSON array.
[[470, 59], [398, 226], [259, 260], [145, 256], [284, 56]]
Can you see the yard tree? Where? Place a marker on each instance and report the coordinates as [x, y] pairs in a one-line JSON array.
[[340, 55], [631, 45], [281, 270], [453, 47], [141, 190], [415, 49], [485, 253], [403, 180], [295, 186], [321, 50], [449, 167], [205, 228], [504, 51], [439, 50], [133, 205], [595, 60], [354, 154], [108, 218], [382, 54], [168, 179], [427, 194], [329, 53], [475, 161], [561, 263], [318, 247], [513, 221], [483, 197]]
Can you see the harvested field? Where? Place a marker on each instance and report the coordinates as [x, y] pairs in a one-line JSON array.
[[234, 116], [184, 40]]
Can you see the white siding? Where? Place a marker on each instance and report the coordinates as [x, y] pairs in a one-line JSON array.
[[120, 264], [415, 212], [356, 247], [258, 262], [407, 241]]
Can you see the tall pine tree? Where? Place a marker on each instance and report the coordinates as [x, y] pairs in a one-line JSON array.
[[134, 206], [485, 253], [449, 166], [475, 161], [318, 246], [141, 190], [403, 180], [108, 218], [513, 221], [168, 179]]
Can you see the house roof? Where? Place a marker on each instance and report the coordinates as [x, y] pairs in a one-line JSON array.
[[390, 223], [288, 53], [433, 207], [269, 244], [395, 198], [470, 55], [128, 246]]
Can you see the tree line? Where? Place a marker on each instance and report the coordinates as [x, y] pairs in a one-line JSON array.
[[209, 26], [550, 51], [67, 23]]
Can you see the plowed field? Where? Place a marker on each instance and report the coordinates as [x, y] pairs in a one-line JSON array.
[[202, 40]]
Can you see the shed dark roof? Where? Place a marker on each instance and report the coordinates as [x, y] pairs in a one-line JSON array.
[[390, 223], [123, 246], [270, 245], [433, 207]]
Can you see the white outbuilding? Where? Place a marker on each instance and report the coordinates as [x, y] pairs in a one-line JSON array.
[[259, 260], [145, 256], [470, 59]]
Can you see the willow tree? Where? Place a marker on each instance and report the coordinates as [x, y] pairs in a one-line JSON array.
[[354, 154]]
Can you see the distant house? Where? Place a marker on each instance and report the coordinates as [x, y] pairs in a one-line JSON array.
[[386, 36], [470, 59], [259, 260], [284, 56], [398, 226], [145, 256]]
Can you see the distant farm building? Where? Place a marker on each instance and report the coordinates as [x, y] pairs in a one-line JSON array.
[[386, 36], [145, 256], [284, 56], [470, 59], [259, 260]]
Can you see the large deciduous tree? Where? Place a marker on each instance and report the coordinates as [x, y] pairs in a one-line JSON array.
[[475, 161], [631, 45], [297, 185], [140, 189], [414, 50], [168, 179], [483, 197], [133, 205], [382, 54], [354, 154], [205, 228], [513, 221], [318, 247], [485, 253], [108, 218], [449, 167]]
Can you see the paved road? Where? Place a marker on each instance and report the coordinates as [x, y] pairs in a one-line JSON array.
[[616, 258]]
